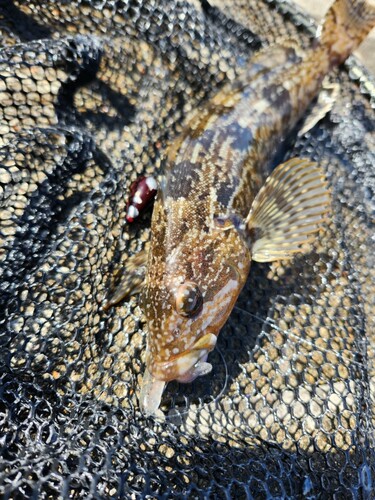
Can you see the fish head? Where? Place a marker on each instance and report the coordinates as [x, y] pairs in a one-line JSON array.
[[191, 288]]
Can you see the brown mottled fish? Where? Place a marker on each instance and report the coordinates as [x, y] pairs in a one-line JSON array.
[[217, 209]]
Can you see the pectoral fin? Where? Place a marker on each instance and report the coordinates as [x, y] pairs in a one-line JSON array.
[[324, 104], [132, 279], [287, 211]]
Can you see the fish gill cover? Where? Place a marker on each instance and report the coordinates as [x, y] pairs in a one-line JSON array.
[[91, 93]]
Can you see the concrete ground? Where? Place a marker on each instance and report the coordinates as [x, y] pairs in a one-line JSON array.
[[366, 53]]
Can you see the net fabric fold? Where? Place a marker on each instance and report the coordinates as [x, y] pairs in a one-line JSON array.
[[91, 94]]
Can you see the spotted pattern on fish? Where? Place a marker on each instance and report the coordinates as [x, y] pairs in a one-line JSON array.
[[214, 175]]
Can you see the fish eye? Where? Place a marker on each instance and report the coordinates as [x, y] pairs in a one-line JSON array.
[[189, 299]]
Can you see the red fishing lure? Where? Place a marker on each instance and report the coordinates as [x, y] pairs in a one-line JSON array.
[[142, 192]]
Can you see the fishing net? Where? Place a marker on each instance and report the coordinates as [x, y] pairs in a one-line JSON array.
[[91, 94]]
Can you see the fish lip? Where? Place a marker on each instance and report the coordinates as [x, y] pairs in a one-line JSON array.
[[199, 368], [167, 371]]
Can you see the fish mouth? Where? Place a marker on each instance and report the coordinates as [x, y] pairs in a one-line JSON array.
[[153, 388], [197, 369], [184, 368]]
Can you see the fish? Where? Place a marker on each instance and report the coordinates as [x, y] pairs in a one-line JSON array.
[[223, 203]]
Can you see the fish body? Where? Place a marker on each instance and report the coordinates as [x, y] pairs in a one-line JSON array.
[[218, 209]]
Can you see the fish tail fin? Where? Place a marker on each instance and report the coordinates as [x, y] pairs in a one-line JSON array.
[[346, 24]]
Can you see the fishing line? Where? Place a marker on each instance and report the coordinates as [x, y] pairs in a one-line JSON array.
[[271, 323]]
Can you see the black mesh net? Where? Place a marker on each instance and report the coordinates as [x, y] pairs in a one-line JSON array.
[[91, 93]]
